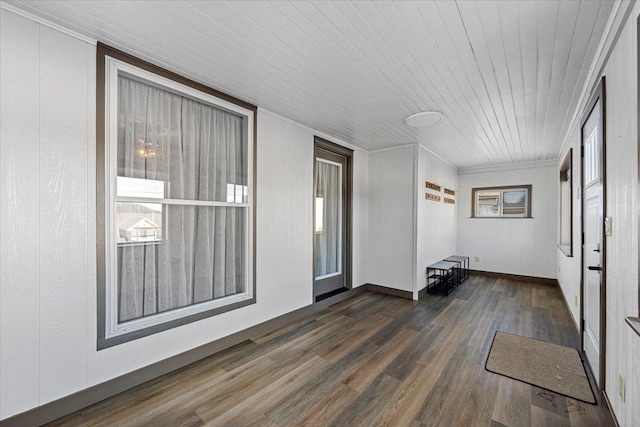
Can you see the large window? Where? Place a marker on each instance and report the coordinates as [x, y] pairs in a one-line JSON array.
[[178, 194], [502, 202]]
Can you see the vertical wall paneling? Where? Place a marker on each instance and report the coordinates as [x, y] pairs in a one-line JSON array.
[[285, 186], [622, 346], [360, 217], [47, 225], [391, 203], [408, 231], [436, 222], [62, 217], [543, 232], [19, 221], [524, 246]]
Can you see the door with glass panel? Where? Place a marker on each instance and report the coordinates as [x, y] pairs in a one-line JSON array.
[[594, 243], [331, 220]]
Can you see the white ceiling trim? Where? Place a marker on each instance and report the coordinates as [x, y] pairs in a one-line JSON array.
[[509, 167], [430, 151], [397, 147], [607, 43], [316, 132], [40, 20]]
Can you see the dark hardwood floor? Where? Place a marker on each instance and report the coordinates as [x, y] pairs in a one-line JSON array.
[[371, 360]]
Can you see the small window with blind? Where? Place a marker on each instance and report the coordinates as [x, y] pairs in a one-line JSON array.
[[502, 202]]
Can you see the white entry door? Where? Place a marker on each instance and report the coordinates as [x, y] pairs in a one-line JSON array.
[[592, 285], [593, 248]]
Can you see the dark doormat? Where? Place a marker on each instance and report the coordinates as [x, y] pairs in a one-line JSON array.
[[551, 366]]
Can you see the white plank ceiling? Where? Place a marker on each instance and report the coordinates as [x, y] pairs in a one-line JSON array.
[[507, 75]]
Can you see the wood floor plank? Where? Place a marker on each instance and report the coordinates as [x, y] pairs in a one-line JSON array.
[[458, 379], [549, 401], [267, 397], [480, 399], [582, 414], [543, 418], [367, 373], [306, 346], [343, 341], [512, 405], [404, 404], [193, 391], [404, 364], [281, 336], [370, 360], [238, 385], [292, 409], [365, 409]]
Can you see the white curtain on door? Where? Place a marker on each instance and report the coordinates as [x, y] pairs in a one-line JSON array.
[[328, 238], [197, 151]]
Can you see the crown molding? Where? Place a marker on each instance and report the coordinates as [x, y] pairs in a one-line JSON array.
[[617, 20], [509, 167], [430, 151], [314, 131], [43, 21]]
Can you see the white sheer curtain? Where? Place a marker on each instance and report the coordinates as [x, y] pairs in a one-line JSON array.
[[197, 151], [328, 236]]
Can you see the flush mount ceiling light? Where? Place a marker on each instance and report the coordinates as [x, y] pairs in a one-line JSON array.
[[424, 119]]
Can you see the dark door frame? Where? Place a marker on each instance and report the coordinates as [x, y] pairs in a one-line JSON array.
[[635, 322], [598, 95], [322, 145]]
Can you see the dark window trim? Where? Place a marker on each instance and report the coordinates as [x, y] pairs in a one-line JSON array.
[[102, 52], [567, 165], [500, 188], [321, 144], [638, 144]]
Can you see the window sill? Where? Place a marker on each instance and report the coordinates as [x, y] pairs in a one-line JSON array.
[[104, 342], [634, 322], [566, 250]]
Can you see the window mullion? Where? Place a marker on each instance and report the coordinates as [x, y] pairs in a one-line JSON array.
[[184, 202]]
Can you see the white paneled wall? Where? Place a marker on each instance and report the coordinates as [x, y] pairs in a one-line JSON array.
[[407, 232], [515, 246], [19, 262], [47, 225], [436, 221], [361, 238], [622, 344], [392, 218]]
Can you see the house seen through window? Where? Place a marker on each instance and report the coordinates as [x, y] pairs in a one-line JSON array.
[[502, 202], [179, 222]]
